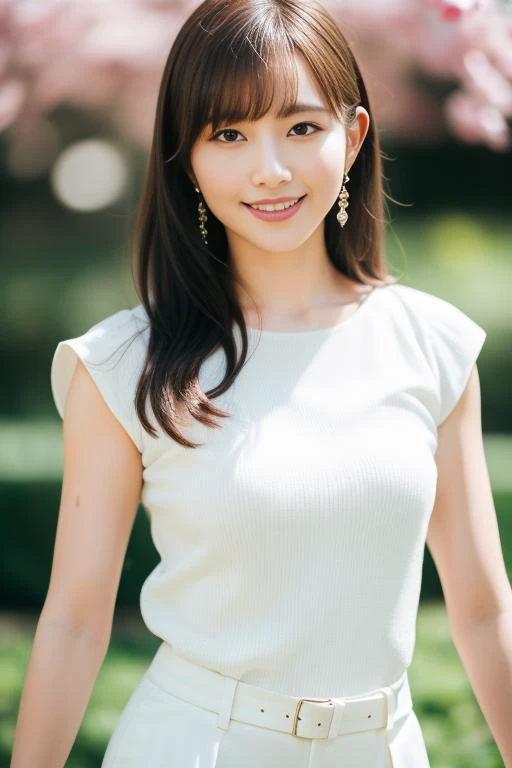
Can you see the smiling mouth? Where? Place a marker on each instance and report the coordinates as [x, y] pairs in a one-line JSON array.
[[249, 205]]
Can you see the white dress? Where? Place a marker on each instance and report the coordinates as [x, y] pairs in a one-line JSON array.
[[292, 540]]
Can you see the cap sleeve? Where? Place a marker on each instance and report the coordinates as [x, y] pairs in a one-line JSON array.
[[456, 341], [112, 352]]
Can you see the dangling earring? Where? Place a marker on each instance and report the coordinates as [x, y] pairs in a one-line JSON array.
[[202, 218], [343, 203]]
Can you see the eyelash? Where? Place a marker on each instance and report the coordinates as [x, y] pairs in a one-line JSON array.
[[233, 130]]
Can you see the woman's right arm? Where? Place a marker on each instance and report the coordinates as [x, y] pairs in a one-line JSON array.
[[101, 489]]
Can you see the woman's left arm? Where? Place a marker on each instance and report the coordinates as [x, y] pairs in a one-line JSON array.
[[463, 539]]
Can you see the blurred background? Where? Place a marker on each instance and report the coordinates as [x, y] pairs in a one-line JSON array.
[[78, 88]]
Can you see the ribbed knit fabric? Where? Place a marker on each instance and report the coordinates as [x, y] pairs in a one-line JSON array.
[[292, 540]]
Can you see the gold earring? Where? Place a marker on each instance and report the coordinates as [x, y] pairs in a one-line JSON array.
[[343, 203], [202, 218]]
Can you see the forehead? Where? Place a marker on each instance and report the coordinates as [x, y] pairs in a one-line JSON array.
[[308, 89]]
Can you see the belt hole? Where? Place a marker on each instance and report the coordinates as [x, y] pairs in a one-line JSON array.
[[369, 715], [262, 710], [287, 715]]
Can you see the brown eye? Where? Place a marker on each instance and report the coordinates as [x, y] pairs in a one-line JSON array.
[[227, 131], [306, 125]]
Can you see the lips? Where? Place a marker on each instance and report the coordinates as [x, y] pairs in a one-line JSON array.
[[275, 203], [281, 214]]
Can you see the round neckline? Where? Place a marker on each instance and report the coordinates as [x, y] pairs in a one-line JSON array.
[[314, 332]]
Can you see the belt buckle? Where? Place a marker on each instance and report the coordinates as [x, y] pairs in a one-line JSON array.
[[298, 708]]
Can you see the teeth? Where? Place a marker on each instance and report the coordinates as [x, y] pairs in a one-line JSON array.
[[278, 207]]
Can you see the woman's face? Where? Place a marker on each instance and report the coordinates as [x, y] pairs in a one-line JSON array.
[[303, 154]]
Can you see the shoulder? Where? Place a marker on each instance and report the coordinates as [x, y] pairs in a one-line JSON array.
[[420, 304], [438, 317], [112, 330], [449, 337], [113, 351]]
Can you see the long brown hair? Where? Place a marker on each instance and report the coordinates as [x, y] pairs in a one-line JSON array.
[[224, 67]]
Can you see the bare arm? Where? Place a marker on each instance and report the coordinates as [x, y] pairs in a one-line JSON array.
[[100, 494], [464, 541]]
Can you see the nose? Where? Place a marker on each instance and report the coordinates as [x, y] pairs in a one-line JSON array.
[[270, 168]]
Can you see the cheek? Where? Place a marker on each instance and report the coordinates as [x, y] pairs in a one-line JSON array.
[[219, 178], [221, 188], [331, 159]]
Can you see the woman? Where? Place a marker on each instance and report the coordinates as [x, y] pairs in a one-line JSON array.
[[276, 409]]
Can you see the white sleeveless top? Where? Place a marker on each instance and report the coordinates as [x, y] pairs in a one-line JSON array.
[[292, 540]]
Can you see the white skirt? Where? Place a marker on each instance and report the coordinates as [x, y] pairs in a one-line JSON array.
[[157, 729]]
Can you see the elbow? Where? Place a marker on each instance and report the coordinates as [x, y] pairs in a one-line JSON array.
[[93, 630]]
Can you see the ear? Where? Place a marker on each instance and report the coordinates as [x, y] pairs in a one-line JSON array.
[[356, 134]]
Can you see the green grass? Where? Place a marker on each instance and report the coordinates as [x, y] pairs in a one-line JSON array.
[[455, 730]]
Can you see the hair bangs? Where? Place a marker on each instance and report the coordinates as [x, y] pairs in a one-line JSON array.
[[250, 84]]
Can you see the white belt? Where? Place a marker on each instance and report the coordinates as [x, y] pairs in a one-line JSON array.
[[309, 718]]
